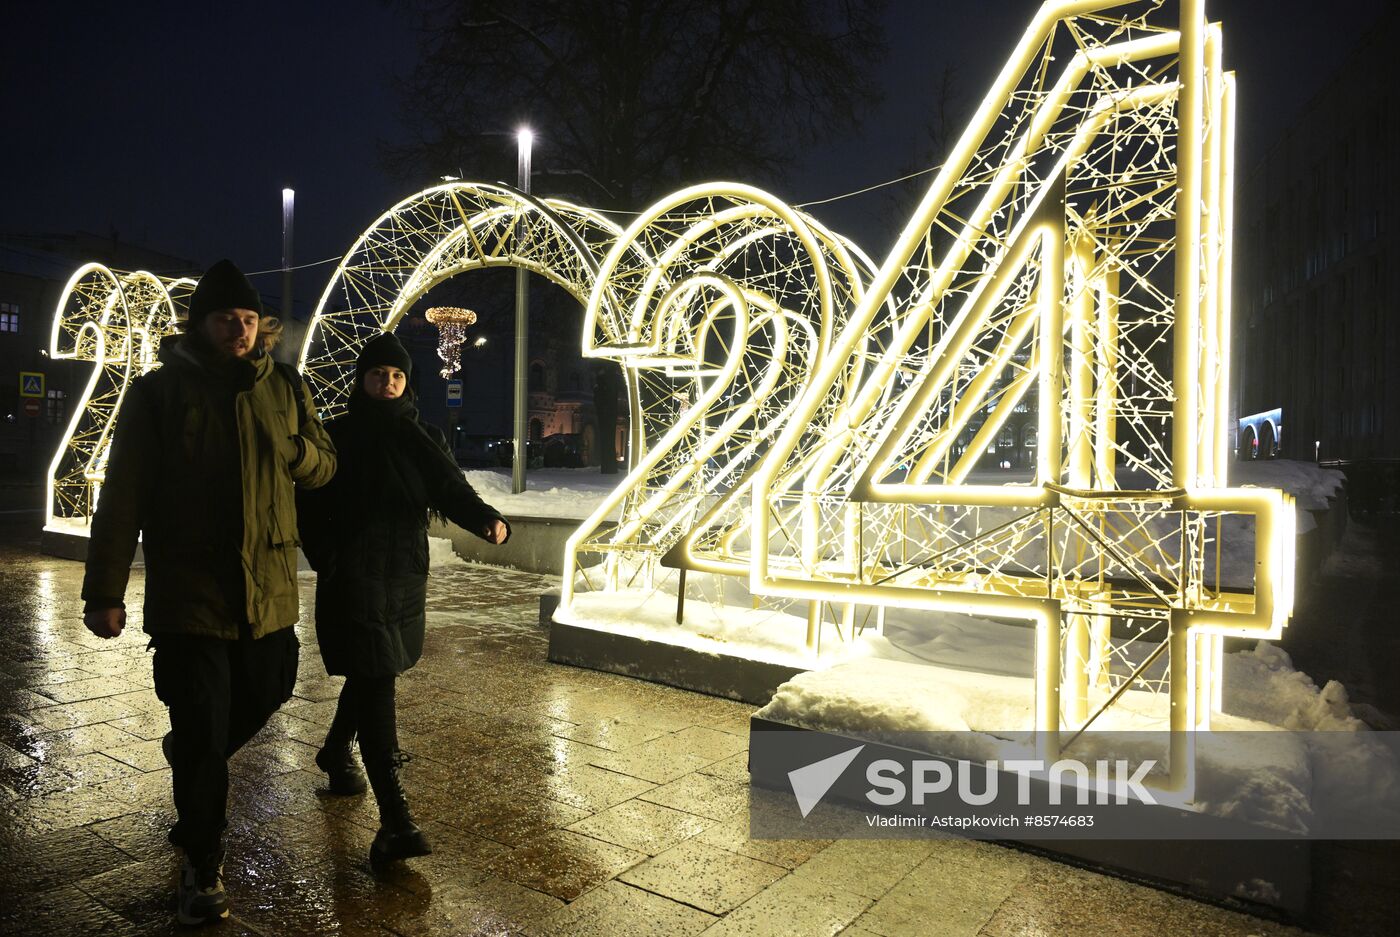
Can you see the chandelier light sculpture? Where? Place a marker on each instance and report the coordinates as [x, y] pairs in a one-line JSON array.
[[452, 325], [805, 423]]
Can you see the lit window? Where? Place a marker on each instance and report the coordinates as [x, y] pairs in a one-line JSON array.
[[55, 406], [9, 317]]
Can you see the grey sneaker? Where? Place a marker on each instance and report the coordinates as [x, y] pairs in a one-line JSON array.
[[201, 897]]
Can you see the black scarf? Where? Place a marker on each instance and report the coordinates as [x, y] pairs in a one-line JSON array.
[[388, 447]]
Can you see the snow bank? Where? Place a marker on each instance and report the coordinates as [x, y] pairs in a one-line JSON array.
[[1330, 769], [1355, 775], [548, 492], [1262, 684], [1309, 482], [441, 554]]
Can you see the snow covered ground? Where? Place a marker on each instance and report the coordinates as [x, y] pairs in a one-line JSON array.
[[1309, 483]]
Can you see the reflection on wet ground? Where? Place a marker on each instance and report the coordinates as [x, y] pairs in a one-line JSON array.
[[559, 801]]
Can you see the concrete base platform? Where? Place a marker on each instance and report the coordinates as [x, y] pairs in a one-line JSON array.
[[737, 678], [64, 546], [71, 546], [1202, 859]]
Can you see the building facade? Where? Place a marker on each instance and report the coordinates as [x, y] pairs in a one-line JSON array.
[[1317, 273]]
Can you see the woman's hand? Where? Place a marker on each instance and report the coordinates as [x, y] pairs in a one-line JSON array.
[[496, 532]]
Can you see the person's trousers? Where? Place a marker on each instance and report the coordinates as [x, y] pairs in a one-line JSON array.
[[219, 693], [366, 709]]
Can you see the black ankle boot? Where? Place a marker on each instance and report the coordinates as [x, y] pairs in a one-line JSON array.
[[398, 837], [338, 761]]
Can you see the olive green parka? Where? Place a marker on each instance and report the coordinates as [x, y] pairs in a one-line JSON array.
[[202, 466]]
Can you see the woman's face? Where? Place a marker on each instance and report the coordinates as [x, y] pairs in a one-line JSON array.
[[385, 382]]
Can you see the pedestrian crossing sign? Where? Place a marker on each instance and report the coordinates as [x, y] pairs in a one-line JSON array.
[[31, 383]]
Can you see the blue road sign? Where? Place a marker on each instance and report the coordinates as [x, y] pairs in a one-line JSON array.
[[454, 393], [31, 383]]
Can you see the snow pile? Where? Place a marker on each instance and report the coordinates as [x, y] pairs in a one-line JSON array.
[[552, 492], [961, 642], [1354, 770], [1328, 769], [441, 555], [1262, 684], [1309, 482], [768, 635], [1256, 776], [719, 619], [880, 699]]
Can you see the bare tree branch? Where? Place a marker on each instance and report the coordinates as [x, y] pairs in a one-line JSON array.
[[641, 95]]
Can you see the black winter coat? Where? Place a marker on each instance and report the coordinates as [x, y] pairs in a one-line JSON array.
[[366, 534]]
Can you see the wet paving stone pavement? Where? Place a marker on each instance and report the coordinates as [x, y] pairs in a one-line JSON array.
[[559, 801]]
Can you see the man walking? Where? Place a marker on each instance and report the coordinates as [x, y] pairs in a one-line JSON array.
[[202, 466]]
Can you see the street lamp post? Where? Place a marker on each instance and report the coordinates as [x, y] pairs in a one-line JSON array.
[[288, 207], [524, 138]]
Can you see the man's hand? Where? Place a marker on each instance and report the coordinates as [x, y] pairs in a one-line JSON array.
[[496, 532], [106, 622]]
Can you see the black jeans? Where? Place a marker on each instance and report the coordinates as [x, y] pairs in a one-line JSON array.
[[220, 693], [366, 709]]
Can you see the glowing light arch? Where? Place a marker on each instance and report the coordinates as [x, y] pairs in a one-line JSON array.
[[429, 237]]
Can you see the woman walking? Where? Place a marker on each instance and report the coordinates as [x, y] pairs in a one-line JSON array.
[[365, 534]]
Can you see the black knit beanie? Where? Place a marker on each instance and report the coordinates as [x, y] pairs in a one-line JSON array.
[[223, 286], [383, 350]]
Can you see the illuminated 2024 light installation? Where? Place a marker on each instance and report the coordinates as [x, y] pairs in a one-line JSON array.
[[805, 422]]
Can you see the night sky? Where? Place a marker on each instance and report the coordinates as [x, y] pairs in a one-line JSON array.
[[176, 125]]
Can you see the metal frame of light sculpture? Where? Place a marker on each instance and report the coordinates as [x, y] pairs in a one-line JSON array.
[[116, 320], [718, 301], [429, 237], [1056, 217]]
